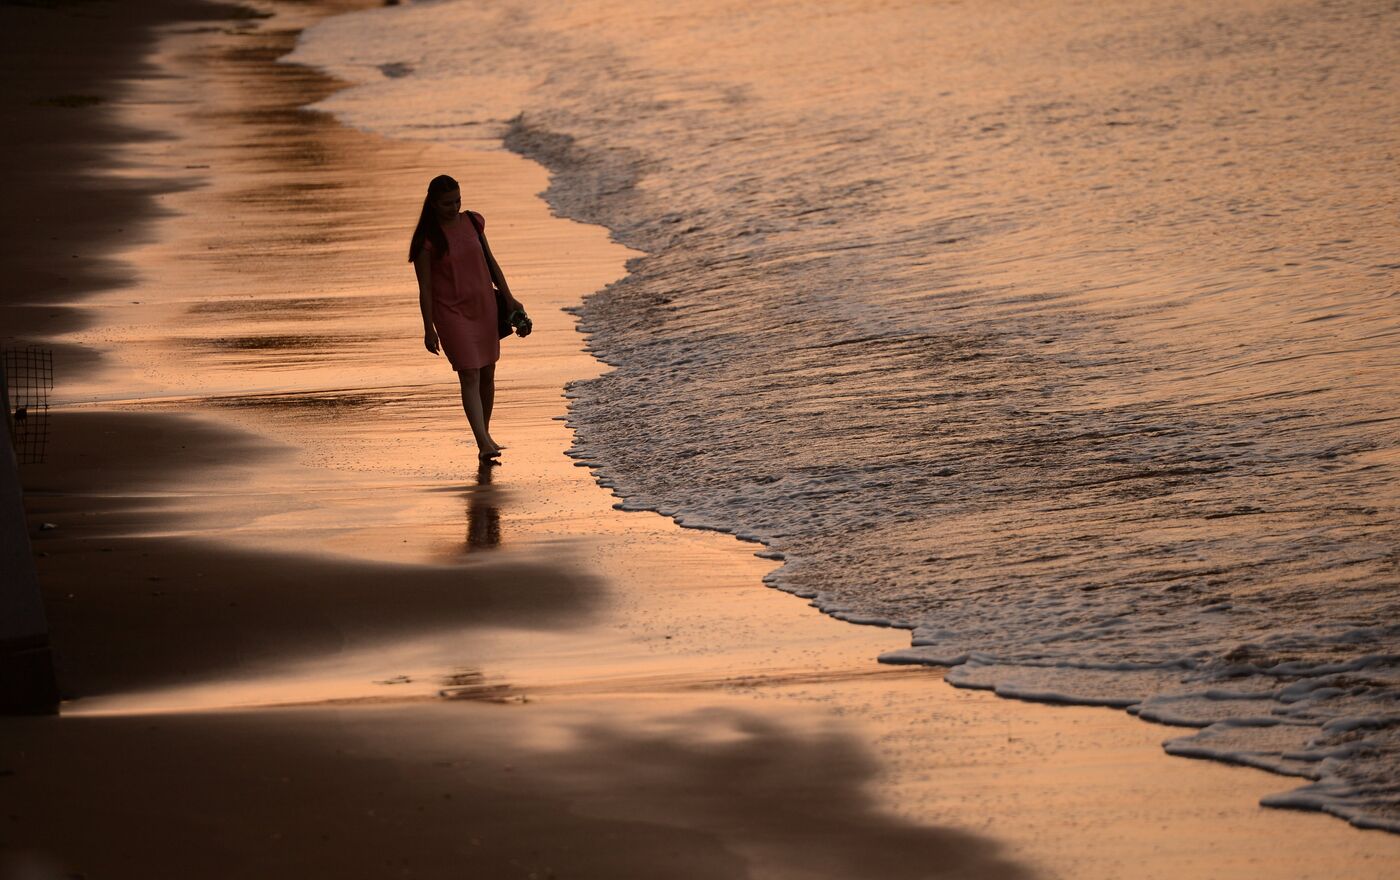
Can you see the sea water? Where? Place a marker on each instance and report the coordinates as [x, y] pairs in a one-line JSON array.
[[1064, 334]]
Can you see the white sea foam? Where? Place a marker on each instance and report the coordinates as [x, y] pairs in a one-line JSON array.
[[1061, 333]]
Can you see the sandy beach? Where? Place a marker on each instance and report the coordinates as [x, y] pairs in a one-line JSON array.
[[303, 634]]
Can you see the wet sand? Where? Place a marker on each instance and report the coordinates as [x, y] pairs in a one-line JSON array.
[[306, 636]]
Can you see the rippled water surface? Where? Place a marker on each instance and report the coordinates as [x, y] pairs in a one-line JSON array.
[[1065, 334]]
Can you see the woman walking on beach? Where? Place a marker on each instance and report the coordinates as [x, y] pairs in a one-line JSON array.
[[457, 283]]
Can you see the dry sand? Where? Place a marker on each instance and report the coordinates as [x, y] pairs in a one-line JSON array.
[[306, 637]]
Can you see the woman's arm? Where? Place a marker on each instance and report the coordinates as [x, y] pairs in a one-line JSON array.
[[498, 277], [424, 270]]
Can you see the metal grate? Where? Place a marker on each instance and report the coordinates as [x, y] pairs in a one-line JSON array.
[[28, 378]]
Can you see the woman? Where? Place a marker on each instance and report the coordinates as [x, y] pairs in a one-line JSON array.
[[457, 280]]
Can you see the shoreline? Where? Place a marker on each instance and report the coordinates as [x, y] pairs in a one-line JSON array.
[[671, 684], [572, 168], [1029, 453]]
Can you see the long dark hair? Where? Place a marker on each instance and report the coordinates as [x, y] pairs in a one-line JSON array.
[[428, 227]]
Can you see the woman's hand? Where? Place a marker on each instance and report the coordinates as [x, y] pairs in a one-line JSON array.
[[430, 340], [522, 325]]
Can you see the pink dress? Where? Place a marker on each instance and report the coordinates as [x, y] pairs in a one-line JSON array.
[[464, 299]]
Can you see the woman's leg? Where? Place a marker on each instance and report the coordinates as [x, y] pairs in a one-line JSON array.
[[470, 380], [488, 393]]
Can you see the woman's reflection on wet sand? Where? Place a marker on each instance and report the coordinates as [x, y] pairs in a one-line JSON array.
[[483, 515]]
